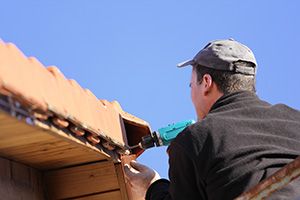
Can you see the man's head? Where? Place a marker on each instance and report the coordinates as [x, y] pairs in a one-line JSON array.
[[221, 67]]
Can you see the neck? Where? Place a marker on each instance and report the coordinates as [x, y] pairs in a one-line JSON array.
[[211, 101]]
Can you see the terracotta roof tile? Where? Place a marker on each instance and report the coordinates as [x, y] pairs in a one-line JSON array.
[[13, 70], [46, 93]]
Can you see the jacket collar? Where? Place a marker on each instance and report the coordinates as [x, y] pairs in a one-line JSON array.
[[230, 98]]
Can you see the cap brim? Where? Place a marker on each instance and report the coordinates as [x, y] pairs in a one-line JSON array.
[[185, 63]]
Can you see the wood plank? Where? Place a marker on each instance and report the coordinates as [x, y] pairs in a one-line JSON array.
[[18, 181], [43, 148], [113, 195], [5, 173], [81, 180], [37, 183], [121, 179], [21, 174]]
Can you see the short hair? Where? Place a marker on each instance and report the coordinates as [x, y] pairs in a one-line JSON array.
[[226, 81]]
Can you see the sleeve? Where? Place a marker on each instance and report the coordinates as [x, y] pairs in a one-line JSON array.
[[183, 179], [158, 190]]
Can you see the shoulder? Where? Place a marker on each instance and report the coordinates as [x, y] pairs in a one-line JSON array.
[[284, 109], [195, 132], [192, 139], [194, 146]]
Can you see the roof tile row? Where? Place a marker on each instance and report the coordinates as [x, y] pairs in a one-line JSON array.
[[47, 91]]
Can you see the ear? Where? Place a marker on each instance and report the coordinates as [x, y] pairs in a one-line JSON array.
[[207, 83]]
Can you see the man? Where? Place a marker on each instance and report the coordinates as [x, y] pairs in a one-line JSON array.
[[238, 141]]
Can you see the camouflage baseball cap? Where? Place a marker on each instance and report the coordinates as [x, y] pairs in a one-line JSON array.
[[226, 55]]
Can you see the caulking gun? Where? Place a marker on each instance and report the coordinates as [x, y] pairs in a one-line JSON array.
[[163, 136]]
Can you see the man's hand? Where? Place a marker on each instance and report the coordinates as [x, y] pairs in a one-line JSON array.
[[140, 177]]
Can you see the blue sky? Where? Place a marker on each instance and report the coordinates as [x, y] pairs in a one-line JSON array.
[[128, 51]]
